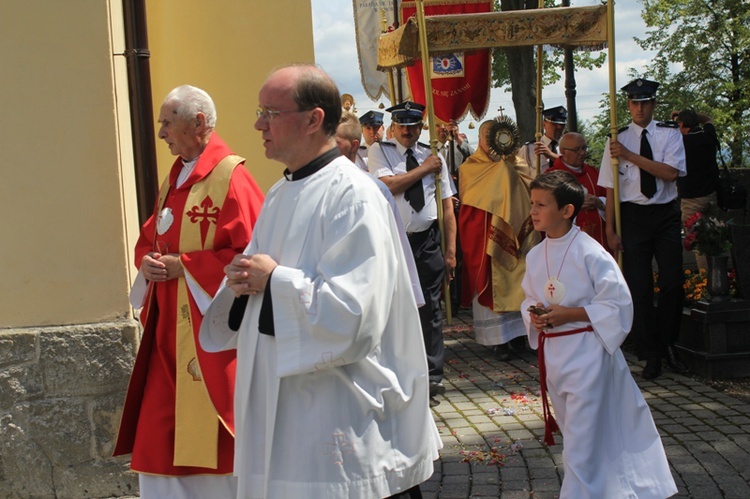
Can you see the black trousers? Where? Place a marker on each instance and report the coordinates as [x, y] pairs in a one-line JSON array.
[[431, 270], [652, 232]]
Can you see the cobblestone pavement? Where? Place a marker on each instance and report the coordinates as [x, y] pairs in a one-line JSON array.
[[491, 424]]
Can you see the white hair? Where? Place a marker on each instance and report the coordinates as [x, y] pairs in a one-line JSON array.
[[190, 101]]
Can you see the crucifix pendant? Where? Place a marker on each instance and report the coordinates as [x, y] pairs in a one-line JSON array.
[[554, 291]]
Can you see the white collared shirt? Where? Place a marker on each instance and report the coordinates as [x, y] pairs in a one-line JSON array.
[[388, 158], [667, 147]]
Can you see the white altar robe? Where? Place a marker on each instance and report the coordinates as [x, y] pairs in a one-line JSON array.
[[611, 446], [336, 404]]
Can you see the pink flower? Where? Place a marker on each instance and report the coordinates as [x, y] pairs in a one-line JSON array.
[[692, 220]]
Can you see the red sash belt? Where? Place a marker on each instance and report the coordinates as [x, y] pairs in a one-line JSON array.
[[550, 425]]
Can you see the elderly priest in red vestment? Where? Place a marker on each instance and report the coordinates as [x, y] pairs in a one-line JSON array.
[[178, 417]]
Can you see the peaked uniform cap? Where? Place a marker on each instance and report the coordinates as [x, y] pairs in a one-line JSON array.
[[641, 90], [406, 113], [557, 115], [373, 118]]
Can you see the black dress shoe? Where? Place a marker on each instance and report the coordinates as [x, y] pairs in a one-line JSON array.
[[518, 344], [436, 389], [502, 352], [434, 402], [674, 362], [652, 369]]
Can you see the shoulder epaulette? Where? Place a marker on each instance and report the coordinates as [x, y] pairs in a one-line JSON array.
[[423, 145], [623, 129], [363, 147], [386, 143], [667, 124]]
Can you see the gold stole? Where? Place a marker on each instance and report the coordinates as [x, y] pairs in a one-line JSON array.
[[501, 190], [196, 419]]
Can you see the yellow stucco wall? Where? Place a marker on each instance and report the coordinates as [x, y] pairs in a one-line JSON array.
[[63, 248], [227, 48], [67, 204]]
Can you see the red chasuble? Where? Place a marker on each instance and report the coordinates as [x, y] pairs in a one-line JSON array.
[[588, 220], [179, 421], [496, 231]]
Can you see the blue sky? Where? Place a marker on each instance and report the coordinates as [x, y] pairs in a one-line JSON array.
[[336, 52]]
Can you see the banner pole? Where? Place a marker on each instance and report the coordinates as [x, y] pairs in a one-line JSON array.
[[613, 117], [424, 49], [539, 106]]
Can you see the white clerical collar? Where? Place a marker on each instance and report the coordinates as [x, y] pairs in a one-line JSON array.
[[187, 169], [576, 169]]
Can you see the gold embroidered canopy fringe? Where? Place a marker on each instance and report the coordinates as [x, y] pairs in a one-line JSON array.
[[564, 27]]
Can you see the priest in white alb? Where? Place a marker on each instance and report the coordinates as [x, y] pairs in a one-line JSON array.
[[332, 387]]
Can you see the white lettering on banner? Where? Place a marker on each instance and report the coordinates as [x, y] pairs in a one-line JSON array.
[[451, 93]]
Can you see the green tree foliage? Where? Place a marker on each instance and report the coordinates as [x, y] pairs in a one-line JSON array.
[[703, 62]]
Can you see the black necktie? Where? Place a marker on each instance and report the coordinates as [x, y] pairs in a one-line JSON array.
[[414, 193], [553, 148], [648, 182]]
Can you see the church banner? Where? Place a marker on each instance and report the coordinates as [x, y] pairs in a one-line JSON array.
[[566, 27], [460, 79], [368, 26]]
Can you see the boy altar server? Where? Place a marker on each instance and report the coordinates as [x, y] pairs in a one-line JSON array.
[[612, 447]]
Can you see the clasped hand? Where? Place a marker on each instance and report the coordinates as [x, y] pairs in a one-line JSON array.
[[160, 268], [554, 317], [248, 275]]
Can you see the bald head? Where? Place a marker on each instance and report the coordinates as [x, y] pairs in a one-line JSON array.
[[573, 149], [484, 139], [299, 111]]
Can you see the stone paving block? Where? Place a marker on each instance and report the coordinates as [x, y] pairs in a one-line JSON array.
[[471, 438], [460, 480], [480, 418], [455, 490], [729, 429], [456, 468], [705, 492], [733, 486], [492, 477], [686, 437], [545, 494], [673, 428], [485, 491], [516, 486], [548, 485], [512, 474], [455, 423], [544, 474], [486, 427]]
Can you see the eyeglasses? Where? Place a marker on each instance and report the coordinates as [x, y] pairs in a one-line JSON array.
[[268, 115], [576, 150]]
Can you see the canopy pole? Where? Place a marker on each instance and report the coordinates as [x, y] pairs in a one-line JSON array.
[[613, 117], [433, 145]]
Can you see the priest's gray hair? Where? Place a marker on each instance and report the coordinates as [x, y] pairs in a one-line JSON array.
[[190, 101]]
